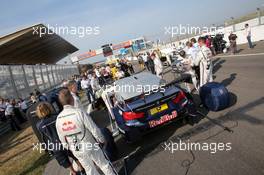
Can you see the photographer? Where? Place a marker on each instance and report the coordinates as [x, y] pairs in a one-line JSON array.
[[233, 45]]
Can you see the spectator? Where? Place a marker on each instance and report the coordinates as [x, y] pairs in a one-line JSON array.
[[23, 105], [19, 114], [151, 64], [86, 85], [99, 76], [130, 66], [145, 59], [10, 114], [108, 69], [191, 51], [194, 43], [64, 83], [47, 128], [33, 98], [248, 35], [113, 71], [124, 67], [72, 86], [120, 74], [106, 74], [95, 84], [158, 65], [33, 120], [140, 61], [188, 45], [78, 82], [209, 44], [2, 110], [181, 46], [40, 96]]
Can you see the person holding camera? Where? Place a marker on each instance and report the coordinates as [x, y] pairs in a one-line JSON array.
[[233, 45]]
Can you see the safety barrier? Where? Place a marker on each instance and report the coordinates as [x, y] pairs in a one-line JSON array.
[[18, 81], [256, 24]]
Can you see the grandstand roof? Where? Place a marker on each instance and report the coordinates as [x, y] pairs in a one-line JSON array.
[[27, 46]]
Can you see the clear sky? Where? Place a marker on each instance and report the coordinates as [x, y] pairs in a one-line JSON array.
[[119, 20]]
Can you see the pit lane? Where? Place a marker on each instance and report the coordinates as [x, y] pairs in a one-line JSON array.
[[243, 76]]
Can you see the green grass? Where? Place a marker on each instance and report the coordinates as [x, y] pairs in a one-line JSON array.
[[31, 164], [17, 154]]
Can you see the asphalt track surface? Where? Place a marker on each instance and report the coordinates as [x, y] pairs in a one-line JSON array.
[[242, 74]]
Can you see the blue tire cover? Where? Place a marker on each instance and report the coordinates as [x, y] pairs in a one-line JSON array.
[[214, 96]]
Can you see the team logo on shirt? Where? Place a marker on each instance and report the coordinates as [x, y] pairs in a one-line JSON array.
[[68, 126]]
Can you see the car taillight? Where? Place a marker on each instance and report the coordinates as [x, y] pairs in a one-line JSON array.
[[133, 115], [180, 96]]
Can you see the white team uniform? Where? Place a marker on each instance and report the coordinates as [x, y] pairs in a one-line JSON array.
[[158, 67], [205, 63], [78, 133], [188, 63], [192, 51], [77, 101]]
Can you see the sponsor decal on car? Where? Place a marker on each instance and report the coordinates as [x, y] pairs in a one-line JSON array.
[[163, 119]]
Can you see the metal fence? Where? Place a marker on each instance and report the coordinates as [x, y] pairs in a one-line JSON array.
[[18, 81]]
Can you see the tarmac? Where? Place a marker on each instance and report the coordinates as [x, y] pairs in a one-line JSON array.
[[242, 74]]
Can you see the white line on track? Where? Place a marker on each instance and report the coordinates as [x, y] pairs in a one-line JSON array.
[[241, 55]]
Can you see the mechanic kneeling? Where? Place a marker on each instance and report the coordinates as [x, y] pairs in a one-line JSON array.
[[79, 133]]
